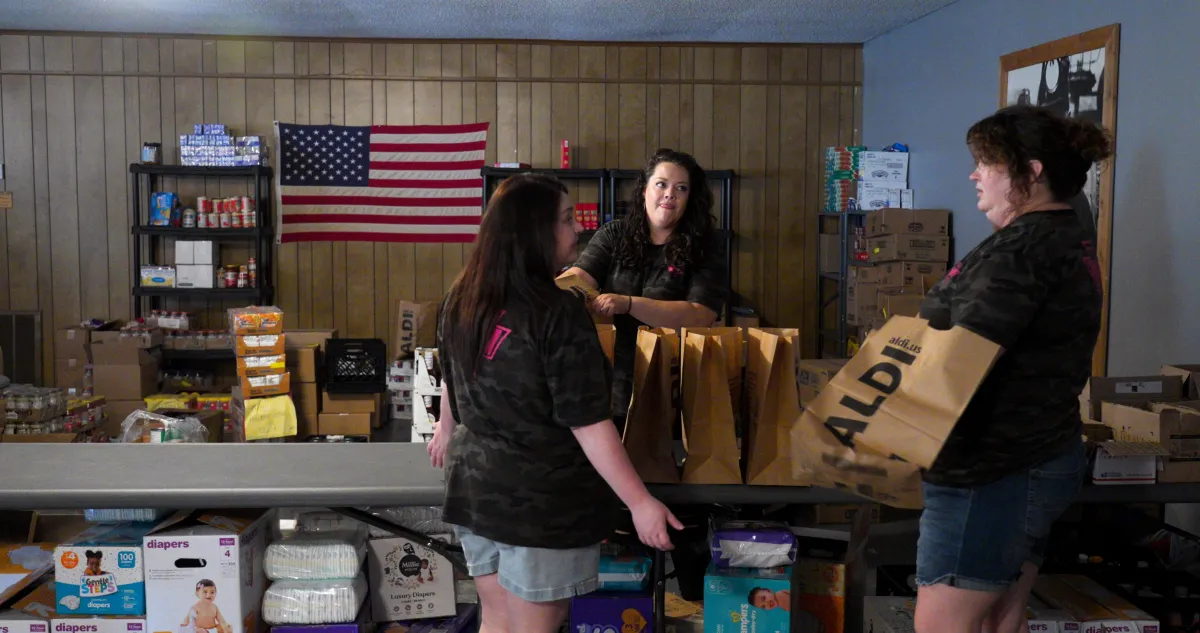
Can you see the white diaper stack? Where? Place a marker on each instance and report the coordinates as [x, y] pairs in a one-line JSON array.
[[314, 601]]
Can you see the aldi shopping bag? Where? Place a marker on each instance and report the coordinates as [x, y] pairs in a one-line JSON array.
[[773, 408], [653, 411], [889, 411], [712, 384], [416, 326]]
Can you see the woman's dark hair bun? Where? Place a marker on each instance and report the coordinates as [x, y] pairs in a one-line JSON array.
[[1093, 142]]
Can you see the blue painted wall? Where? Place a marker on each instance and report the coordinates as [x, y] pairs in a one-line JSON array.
[[927, 82]]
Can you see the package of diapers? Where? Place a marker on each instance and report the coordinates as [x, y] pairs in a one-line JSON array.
[[332, 555], [753, 545], [314, 601]]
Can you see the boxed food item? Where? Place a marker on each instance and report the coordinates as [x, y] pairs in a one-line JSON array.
[[265, 386], [251, 366], [226, 590], [409, 580], [100, 572], [734, 597], [889, 167], [908, 221], [255, 320], [906, 247], [158, 277], [260, 345], [612, 611]]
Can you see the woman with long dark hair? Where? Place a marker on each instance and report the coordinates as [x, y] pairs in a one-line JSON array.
[[1015, 461], [661, 265], [532, 457]]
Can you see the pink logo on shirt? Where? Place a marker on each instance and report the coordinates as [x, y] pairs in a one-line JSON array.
[[954, 271], [498, 337]]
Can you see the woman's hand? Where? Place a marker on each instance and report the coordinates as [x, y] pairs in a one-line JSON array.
[[438, 445], [651, 518], [611, 304]]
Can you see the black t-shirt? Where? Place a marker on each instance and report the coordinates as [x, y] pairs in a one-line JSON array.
[[514, 471], [1032, 287], [704, 283]]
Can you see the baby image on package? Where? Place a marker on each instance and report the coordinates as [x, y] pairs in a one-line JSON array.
[[205, 615]]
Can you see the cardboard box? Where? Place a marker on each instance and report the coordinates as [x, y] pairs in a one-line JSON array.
[[1126, 463], [307, 397], [100, 572], [33, 612], [195, 276], [1091, 616], [350, 402], [612, 612], [889, 167], [345, 423], [409, 580], [899, 303], [843, 513], [821, 594], [252, 366], [125, 382], [1190, 375], [1176, 426], [904, 275], [69, 373], [195, 253], [304, 338], [116, 410], [22, 565], [233, 544], [817, 372], [929, 222], [1109, 600], [1132, 390], [302, 363], [1177, 472], [862, 302], [1042, 618], [889, 614], [831, 252], [265, 345], [905, 247], [265, 386], [72, 342], [138, 350], [728, 602], [185, 253], [878, 195]]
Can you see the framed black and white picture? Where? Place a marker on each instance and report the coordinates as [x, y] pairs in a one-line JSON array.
[[1076, 76]]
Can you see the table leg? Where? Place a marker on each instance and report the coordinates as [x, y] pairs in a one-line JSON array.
[[660, 591]]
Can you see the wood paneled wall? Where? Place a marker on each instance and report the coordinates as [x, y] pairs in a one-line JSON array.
[[76, 109]]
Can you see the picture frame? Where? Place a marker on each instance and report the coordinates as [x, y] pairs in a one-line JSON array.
[[1077, 77]]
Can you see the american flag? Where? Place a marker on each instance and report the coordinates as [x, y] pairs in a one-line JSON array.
[[380, 183]]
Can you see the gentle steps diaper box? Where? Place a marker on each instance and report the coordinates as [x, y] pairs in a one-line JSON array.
[[100, 571]]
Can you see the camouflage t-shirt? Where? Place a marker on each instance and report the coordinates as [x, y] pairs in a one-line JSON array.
[[1033, 287], [705, 284], [514, 471]]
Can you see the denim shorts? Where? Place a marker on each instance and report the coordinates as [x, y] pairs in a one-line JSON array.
[[978, 538], [533, 574]]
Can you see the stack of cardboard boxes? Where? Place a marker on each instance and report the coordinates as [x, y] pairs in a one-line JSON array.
[[262, 409], [125, 371], [907, 253], [73, 359], [350, 414], [305, 363]]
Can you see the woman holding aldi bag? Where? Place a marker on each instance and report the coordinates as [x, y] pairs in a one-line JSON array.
[[525, 433], [1015, 460], [661, 265]]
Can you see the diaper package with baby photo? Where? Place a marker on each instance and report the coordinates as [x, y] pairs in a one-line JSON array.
[[612, 613], [747, 600], [204, 573], [100, 572]]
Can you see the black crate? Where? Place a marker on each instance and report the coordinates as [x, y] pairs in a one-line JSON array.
[[356, 365]]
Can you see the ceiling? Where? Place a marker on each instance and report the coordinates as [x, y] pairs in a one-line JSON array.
[[843, 21]]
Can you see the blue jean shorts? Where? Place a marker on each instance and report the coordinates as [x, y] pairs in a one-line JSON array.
[[533, 574], [978, 538]]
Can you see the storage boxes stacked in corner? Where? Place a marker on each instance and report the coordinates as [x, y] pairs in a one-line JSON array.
[[306, 364], [73, 360], [352, 403], [125, 370], [883, 181], [427, 394], [262, 409], [213, 145], [907, 252]]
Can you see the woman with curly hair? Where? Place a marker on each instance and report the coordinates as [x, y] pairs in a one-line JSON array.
[[1015, 461], [660, 266]]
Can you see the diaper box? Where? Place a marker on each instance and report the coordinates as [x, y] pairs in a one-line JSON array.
[[608, 612], [204, 573], [100, 571], [409, 581], [21, 622], [747, 600], [98, 625], [22, 565], [35, 613]]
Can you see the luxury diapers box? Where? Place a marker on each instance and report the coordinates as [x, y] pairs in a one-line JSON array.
[[207, 567], [100, 572], [409, 581]]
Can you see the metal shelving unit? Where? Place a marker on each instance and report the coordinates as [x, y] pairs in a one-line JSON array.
[[492, 176], [144, 178], [837, 331]]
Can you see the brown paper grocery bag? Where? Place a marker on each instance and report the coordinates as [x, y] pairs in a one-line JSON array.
[[416, 326], [712, 384], [653, 411], [608, 339], [888, 412], [773, 408]]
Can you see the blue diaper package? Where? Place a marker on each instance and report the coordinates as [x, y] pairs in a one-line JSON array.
[[624, 573], [747, 600], [753, 545], [101, 571]]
